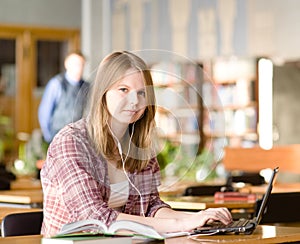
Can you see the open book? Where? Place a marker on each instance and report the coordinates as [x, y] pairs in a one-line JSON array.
[[121, 227]]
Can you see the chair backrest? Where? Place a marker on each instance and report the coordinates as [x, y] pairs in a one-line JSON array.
[[282, 208], [254, 159], [253, 178], [206, 190], [18, 224]]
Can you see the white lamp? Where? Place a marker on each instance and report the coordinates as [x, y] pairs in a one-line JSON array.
[[265, 96]]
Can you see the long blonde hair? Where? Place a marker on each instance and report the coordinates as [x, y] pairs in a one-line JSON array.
[[111, 70]]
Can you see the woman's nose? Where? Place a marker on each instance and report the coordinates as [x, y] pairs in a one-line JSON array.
[[133, 97]]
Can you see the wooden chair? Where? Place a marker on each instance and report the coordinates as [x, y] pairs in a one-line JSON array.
[[18, 224], [254, 159]]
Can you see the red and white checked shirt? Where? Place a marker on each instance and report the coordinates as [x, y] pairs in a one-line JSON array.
[[76, 185]]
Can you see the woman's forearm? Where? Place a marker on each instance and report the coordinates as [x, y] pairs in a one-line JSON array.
[[161, 224], [170, 213]]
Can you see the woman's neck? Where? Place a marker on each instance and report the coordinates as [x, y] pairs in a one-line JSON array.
[[118, 129]]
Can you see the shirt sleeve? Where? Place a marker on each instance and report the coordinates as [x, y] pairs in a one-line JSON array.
[[82, 195], [47, 106]]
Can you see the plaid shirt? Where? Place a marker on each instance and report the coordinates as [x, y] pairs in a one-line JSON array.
[[76, 184]]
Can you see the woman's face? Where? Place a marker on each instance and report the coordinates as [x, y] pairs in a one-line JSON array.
[[126, 100]]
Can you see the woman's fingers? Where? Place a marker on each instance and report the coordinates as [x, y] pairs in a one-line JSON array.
[[218, 214]]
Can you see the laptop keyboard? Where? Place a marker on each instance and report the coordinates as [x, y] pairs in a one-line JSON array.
[[240, 222]]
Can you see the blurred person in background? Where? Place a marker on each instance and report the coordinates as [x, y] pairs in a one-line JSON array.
[[64, 97]]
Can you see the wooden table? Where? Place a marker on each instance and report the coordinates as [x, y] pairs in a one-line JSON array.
[[173, 196], [193, 203], [25, 184], [277, 188], [203, 202], [263, 234], [35, 239], [31, 198], [177, 189]]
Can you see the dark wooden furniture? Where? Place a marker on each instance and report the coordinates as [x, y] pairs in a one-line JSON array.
[[20, 224]]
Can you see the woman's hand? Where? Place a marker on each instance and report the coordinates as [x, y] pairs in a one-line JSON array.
[[206, 216]]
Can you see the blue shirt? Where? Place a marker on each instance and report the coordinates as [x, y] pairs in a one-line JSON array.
[[48, 103]]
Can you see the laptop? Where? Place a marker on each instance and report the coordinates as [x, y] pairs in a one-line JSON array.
[[245, 226]]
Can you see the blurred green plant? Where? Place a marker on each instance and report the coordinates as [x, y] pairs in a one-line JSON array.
[[25, 149], [176, 163], [6, 136], [167, 155], [31, 149]]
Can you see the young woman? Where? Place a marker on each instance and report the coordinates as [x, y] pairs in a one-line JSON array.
[[104, 166]]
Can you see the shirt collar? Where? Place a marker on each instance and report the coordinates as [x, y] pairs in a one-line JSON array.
[[72, 81]]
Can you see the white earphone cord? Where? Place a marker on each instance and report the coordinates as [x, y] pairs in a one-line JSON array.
[[123, 165]]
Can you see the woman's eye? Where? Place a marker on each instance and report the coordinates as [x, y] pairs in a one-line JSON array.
[[123, 89], [142, 93]]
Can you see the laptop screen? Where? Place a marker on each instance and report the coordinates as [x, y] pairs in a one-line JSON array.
[[266, 197]]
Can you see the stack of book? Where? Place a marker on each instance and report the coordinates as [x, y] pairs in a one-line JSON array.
[[234, 197]]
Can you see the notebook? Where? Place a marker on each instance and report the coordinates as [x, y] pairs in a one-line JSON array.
[[246, 226]]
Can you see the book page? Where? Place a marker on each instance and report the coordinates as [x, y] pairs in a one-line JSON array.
[[134, 227], [118, 228], [142, 230], [91, 225]]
